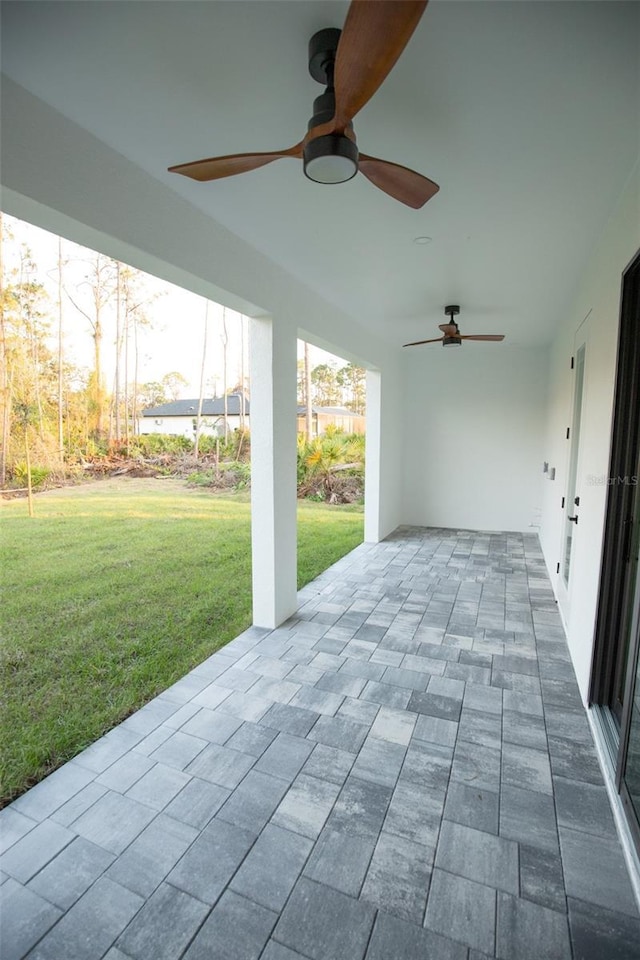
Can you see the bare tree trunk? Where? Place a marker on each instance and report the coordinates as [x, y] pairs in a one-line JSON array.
[[307, 393], [60, 359], [118, 349], [242, 422], [136, 362], [4, 368], [225, 340], [202, 370], [28, 459], [127, 424]]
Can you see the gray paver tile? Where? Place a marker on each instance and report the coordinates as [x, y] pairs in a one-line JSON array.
[[320, 922], [339, 732], [252, 738], [329, 763], [26, 917], [436, 730], [245, 706], [583, 806], [288, 719], [476, 765], [597, 933], [91, 925], [51, 793], [528, 931], [395, 726], [386, 695], [541, 878], [178, 750], [360, 808], [236, 929], [340, 861], [114, 821], [529, 817], [306, 806], [164, 926], [122, 774], [159, 786], [272, 867], [473, 920], [35, 849], [108, 749], [345, 685], [285, 756], [398, 877], [211, 860], [435, 705], [415, 815], [319, 701], [72, 809], [526, 768], [472, 807], [252, 803], [71, 873], [148, 860], [396, 938], [221, 765], [197, 803], [362, 711], [379, 761], [594, 871], [13, 826], [211, 725], [479, 856]]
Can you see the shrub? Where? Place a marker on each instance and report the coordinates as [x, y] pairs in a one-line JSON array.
[[39, 475]]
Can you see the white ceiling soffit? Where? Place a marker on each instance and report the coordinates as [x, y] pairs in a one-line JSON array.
[[525, 113]]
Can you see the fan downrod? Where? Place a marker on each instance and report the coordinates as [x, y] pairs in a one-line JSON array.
[[452, 311]]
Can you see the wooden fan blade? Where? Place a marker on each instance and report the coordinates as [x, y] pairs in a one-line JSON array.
[[401, 183], [418, 343], [215, 168], [483, 336], [374, 35], [449, 329]]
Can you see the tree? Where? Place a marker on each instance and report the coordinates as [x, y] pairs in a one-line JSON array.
[[100, 281], [173, 384], [352, 381], [326, 390]]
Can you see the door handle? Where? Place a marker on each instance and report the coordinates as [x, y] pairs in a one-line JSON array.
[[573, 519]]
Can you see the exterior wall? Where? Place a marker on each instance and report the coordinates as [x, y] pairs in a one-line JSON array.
[[353, 424], [597, 304], [473, 439], [183, 426]]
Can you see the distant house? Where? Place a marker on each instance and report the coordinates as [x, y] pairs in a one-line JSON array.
[[324, 417], [178, 418]]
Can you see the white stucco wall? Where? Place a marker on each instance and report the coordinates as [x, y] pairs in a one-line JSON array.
[[474, 421], [598, 300]]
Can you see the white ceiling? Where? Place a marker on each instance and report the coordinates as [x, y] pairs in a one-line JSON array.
[[525, 113]]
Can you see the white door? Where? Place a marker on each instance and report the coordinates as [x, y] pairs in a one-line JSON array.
[[571, 513]]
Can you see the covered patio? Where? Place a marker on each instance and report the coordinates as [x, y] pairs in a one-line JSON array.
[[401, 770]]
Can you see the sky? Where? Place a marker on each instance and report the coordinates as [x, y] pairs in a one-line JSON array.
[[174, 340]]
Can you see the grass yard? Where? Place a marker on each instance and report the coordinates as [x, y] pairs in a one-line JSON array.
[[114, 591]]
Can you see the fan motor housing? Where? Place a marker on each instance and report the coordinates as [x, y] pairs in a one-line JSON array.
[[322, 54]]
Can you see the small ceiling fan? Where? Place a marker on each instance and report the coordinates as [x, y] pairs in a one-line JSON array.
[[352, 63], [451, 332]]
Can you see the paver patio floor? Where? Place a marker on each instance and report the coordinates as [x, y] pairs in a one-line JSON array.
[[403, 771]]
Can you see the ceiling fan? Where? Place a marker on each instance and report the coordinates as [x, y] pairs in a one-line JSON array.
[[451, 332], [352, 63]]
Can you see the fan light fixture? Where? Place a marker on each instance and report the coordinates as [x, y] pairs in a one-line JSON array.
[[330, 159]]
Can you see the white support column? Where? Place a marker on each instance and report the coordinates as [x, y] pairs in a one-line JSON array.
[[273, 471], [372, 468]]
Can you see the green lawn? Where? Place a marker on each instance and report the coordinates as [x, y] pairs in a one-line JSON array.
[[114, 591]]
